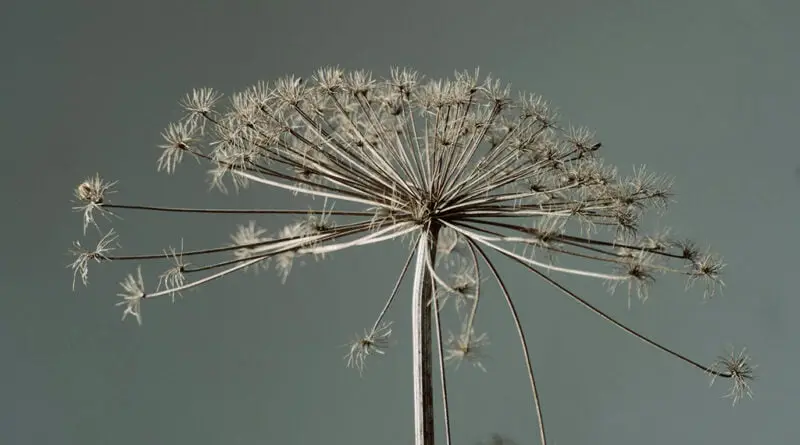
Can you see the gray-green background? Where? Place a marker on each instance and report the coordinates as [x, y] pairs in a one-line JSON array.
[[703, 90]]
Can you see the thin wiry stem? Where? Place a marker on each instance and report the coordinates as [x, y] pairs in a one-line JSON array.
[[442, 373], [580, 241], [395, 289], [608, 257], [297, 189], [278, 244], [474, 310], [523, 342], [237, 211], [485, 241], [205, 280], [611, 320]]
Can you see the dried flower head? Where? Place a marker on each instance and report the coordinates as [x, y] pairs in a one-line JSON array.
[[91, 194], [199, 106], [735, 366], [179, 139], [80, 267], [374, 341], [174, 277], [639, 272], [462, 288], [132, 295], [457, 170], [706, 268], [466, 346], [252, 241]]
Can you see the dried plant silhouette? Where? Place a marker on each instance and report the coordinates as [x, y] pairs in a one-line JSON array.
[[465, 174]]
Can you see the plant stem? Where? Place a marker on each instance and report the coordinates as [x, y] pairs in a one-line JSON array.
[[422, 338]]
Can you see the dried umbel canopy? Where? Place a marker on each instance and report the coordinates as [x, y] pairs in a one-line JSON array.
[[462, 171]]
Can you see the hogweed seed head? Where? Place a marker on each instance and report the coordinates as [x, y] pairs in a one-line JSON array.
[[180, 138], [736, 366], [252, 242], [462, 287], [80, 267], [467, 347], [454, 168], [373, 341], [707, 268], [91, 195], [199, 106], [132, 295], [174, 278]]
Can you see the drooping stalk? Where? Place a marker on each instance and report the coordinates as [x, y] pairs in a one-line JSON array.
[[422, 338]]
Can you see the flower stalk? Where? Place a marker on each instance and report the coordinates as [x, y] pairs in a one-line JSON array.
[[422, 339]]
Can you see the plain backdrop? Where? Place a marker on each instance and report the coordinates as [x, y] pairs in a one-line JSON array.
[[705, 91]]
